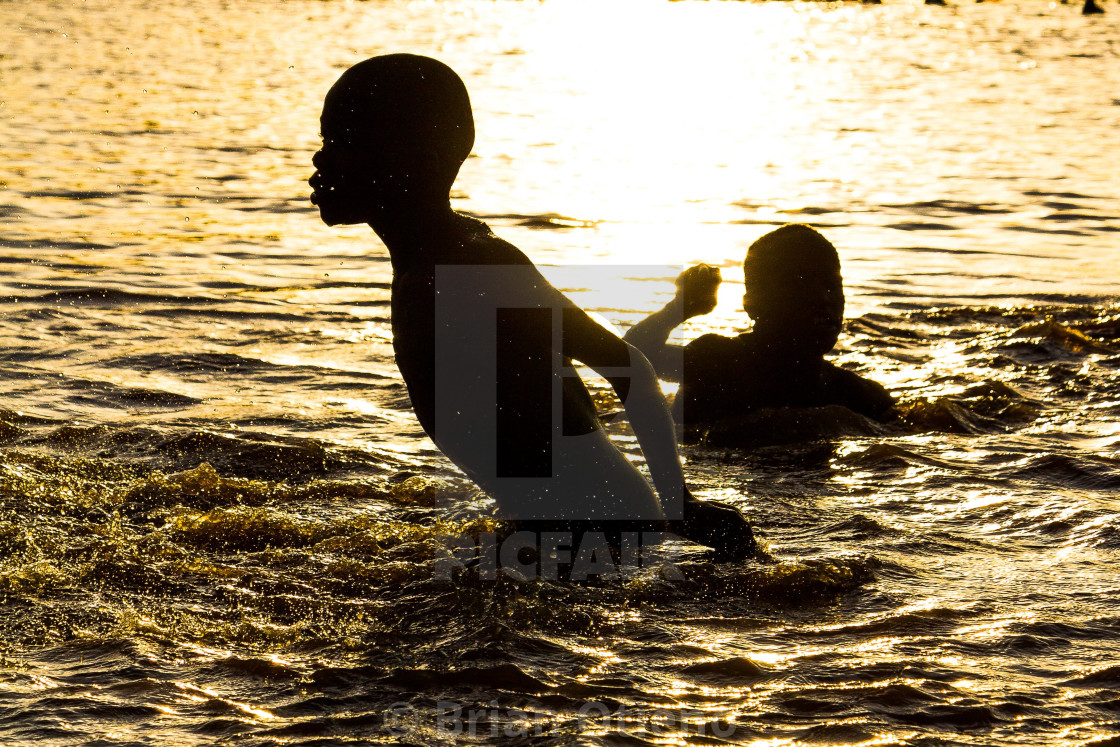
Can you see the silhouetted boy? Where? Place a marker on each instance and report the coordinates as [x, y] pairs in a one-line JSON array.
[[795, 296], [484, 343]]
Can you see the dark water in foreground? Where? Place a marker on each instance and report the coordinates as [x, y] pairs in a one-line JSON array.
[[219, 519], [949, 582]]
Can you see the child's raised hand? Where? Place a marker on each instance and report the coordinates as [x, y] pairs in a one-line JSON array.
[[696, 289]]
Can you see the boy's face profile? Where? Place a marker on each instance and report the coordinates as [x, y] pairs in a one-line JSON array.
[[341, 185], [802, 307], [395, 130], [355, 168]]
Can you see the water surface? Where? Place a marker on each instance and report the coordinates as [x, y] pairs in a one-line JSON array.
[[218, 515]]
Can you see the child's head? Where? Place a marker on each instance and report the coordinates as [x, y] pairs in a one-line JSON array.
[[793, 289], [395, 129]]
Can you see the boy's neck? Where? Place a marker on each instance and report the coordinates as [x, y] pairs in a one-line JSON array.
[[778, 345], [409, 228]]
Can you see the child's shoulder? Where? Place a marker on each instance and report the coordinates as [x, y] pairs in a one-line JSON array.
[[476, 244], [712, 345]]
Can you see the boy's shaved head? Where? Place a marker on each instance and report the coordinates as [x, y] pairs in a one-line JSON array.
[[395, 129], [791, 250], [793, 290], [399, 98]]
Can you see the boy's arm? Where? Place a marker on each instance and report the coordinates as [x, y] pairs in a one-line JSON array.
[[696, 295], [847, 388], [650, 336], [635, 382], [718, 526]]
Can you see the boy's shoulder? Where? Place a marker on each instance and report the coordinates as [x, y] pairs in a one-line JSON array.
[[472, 242], [844, 387], [715, 347]]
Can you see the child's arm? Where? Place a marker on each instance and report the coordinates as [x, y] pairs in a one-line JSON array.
[[867, 397], [635, 382], [715, 525], [696, 295]]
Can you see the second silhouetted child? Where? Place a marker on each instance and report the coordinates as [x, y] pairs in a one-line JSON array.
[[794, 294]]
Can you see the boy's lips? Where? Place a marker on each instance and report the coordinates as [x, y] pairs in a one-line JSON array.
[[318, 188], [319, 193]]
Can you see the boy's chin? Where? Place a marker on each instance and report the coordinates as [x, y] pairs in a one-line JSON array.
[[335, 217], [821, 346], [810, 346]]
